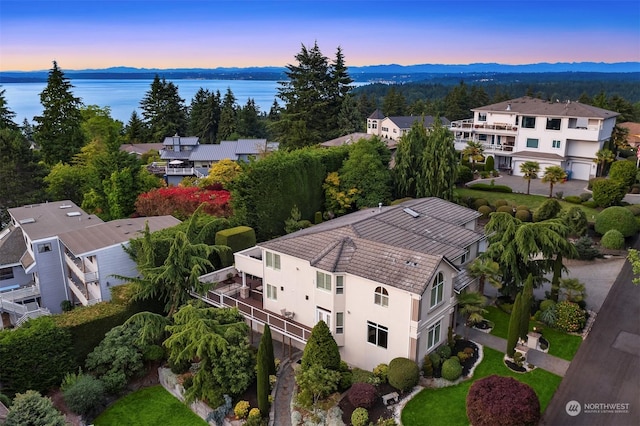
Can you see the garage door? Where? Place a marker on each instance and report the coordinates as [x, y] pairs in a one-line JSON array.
[[580, 171]]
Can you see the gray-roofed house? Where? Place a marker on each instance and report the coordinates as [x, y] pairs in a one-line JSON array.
[[553, 133], [383, 279], [58, 252], [185, 156], [392, 128]]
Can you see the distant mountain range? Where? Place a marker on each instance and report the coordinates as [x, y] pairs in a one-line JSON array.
[[371, 73]]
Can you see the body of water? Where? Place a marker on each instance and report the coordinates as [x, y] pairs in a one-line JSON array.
[[124, 96]]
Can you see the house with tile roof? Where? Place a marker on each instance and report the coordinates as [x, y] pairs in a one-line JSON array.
[[383, 279], [54, 251], [185, 156], [392, 128], [553, 133]]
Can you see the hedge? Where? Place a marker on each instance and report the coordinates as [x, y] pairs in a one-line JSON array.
[[490, 187], [616, 218]]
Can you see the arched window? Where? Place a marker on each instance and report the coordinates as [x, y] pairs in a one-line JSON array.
[[381, 297], [436, 289]]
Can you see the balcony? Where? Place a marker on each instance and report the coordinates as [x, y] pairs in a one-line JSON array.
[[249, 261], [184, 171], [481, 127], [85, 271], [87, 294]]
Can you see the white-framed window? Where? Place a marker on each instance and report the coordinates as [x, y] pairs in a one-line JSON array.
[[532, 143], [555, 144], [374, 125], [553, 123], [377, 334], [482, 116], [323, 281], [482, 137], [385, 129], [529, 122], [437, 289], [273, 261], [323, 315], [340, 284], [43, 248], [6, 274], [381, 297], [339, 322], [465, 256], [433, 335], [272, 292]]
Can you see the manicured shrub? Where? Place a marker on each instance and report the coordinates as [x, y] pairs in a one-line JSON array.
[[444, 351], [585, 196], [505, 209], [381, 371], [612, 239], [522, 207], [489, 164], [585, 249], [523, 215], [500, 203], [546, 304], [241, 410], [30, 408], [496, 400], [362, 395], [427, 366], [634, 208], [237, 238], [436, 360], [569, 316], [479, 202], [84, 396], [464, 175], [363, 376], [403, 373], [317, 218], [485, 211], [608, 192], [360, 417], [254, 414], [574, 199], [623, 172], [592, 181], [547, 210], [492, 188], [576, 218], [321, 349], [591, 204], [616, 218], [451, 368]]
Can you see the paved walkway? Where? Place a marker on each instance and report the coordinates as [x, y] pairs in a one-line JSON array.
[[538, 358]]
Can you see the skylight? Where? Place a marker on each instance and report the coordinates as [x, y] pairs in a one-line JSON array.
[[65, 206], [72, 214], [27, 220], [411, 212]]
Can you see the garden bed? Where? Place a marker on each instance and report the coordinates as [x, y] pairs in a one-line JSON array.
[[379, 410]]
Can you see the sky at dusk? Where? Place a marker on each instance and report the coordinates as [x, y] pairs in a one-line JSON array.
[[213, 33]]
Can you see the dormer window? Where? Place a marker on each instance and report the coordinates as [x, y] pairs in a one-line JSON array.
[[381, 297]]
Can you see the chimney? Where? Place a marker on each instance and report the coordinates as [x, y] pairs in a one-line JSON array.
[[508, 107]]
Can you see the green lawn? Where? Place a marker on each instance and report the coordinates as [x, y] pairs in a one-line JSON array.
[[532, 201], [149, 407], [561, 344], [447, 406]]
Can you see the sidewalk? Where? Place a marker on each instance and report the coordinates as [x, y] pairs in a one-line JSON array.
[[538, 358]]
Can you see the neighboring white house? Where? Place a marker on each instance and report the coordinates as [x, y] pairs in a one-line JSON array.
[[383, 279], [394, 127], [55, 251], [185, 156], [552, 133]]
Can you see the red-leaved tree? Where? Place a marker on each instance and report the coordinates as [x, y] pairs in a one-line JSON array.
[[497, 400], [181, 202]]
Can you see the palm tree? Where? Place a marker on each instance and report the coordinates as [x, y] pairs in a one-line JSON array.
[[553, 175], [474, 151], [471, 307], [573, 290], [603, 157], [529, 170], [485, 269]]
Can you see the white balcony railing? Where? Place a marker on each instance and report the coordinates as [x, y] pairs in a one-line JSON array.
[[83, 269], [21, 293], [249, 261], [86, 296]]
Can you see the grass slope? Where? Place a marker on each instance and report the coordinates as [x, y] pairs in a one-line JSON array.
[[447, 406], [149, 407]]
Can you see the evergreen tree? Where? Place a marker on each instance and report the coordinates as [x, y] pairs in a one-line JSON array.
[[58, 130], [204, 116], [6, 115], [439, 163], [350, 119], [514, 326], [408, 171], [32, 409], [393, 103], [263, 376], [228, 117], [135, 130], [268, 343], [458, 103], [249, 124], [163, 110], [321, 349], [525, 305]]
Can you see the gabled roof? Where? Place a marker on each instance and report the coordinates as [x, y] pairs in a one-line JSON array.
[[539, 107], [231, 150], [181, 140], [346, 139], [107, 234], [49, 219], [405, 122], [140, 148], [376, 115], [400, 245]]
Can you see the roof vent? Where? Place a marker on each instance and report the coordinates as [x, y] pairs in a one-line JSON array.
[[411, 263], [508, 107], [27, 220], [73, 214], [411, 212]]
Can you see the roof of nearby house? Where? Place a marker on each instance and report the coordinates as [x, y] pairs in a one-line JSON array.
[[376, 115], [346, 139], [633, 137], [49, 219], [399, 245], [182, 140], [140, 148], [534, 106], [231, 150], [12, 245], [106, 234], [541, 155], [405, 122]]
